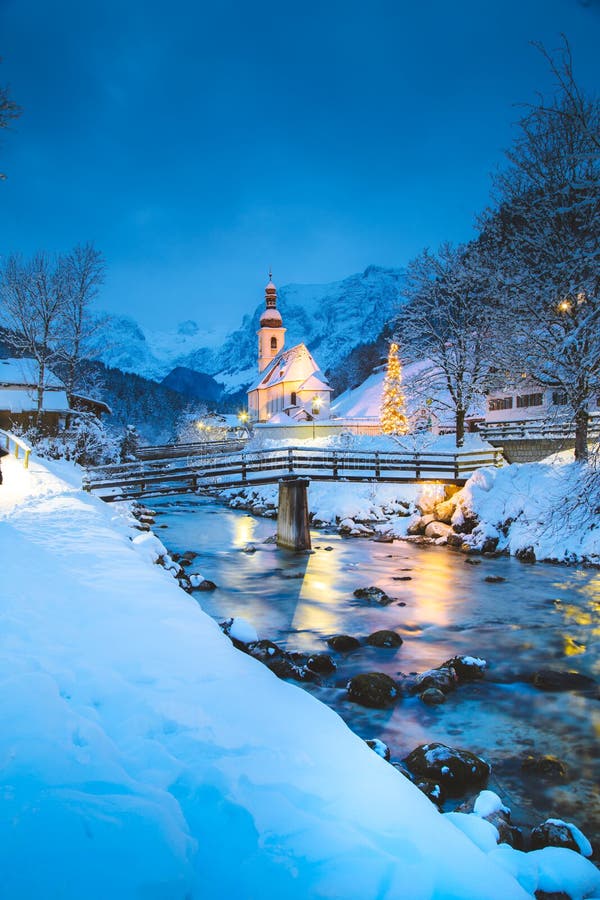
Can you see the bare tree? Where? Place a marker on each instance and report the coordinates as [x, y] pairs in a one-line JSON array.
[[449, 320], [9, 111], [32, 296], [83, 272], [542, 236]]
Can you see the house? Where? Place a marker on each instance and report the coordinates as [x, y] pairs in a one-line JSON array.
[[19, 397], [528, 400], [290, 386]]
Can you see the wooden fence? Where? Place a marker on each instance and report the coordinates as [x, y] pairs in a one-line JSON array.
[[158, 477], [15, 446], [197, 448], [537, 429]]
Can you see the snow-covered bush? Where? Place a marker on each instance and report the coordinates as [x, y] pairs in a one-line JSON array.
[[130, 443], [87, 442]]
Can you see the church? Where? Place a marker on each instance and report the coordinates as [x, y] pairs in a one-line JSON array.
[[290, 387]]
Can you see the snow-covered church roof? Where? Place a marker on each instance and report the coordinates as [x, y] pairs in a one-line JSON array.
[[291, 365]]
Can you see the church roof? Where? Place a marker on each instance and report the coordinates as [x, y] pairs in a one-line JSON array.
[[315, 382], [295, 364]]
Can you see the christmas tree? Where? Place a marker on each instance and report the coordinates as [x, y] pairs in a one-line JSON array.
[[393, 401]]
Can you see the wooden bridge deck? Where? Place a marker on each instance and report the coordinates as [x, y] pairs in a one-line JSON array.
[[152, 478]]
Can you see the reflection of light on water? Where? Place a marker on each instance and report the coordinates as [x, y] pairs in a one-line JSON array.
[[572, 647], [244, 528], [319, 585], [316, 609], [431, 592]]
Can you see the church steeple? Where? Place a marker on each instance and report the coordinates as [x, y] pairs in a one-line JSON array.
[[271, 334]]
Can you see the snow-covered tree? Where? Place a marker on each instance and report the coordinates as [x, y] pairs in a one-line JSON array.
[[542, 237], [9, 110], [450, 321], [393, 402], [32, 297], [83, 273], [129, 445]]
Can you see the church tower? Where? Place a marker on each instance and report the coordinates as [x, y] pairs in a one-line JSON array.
[[271, 334]]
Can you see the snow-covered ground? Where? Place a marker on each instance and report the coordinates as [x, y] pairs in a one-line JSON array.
[[551, 507], [425, 389], [143, 756]]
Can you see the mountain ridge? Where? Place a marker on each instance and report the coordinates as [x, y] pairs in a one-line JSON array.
[[331, 319]]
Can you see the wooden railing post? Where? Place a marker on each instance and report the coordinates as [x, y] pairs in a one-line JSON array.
[[335, 464], [456, 466], [377, 465], [417, 466], [290, 460]]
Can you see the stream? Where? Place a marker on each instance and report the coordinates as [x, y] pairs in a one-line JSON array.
[[541, 616]]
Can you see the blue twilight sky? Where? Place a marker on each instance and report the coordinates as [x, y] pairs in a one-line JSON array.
[[199, 143]]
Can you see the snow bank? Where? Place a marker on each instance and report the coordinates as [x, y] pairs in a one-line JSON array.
[[551, 508], [143, 756]]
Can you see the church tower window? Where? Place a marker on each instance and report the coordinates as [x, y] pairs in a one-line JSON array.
[[273, 343]]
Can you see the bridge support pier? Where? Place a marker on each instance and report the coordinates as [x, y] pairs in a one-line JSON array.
[[293, 531]]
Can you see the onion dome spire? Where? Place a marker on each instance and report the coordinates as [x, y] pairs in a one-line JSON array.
[[271, 317]]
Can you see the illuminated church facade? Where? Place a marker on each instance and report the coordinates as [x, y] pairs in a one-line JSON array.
[[290, 387]]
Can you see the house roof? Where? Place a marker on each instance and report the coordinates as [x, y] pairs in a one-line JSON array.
[[25, 373], [24, 400]]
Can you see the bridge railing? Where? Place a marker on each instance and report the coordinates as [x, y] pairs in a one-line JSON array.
[[264, 466], [536, 429], [16, 446], [192, 448]]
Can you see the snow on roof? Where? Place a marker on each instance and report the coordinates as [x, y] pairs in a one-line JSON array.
[[289, 365], [26, 372], [22, 400], [315, 382]]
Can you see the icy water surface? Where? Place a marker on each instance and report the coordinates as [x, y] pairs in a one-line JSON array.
[[542, 616]]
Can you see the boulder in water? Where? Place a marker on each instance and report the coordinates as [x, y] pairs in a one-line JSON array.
[[373, 689]]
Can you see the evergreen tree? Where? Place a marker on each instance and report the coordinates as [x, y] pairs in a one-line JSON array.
[[393, 401]]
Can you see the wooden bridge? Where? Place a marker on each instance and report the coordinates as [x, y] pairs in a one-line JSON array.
[[177, 475]]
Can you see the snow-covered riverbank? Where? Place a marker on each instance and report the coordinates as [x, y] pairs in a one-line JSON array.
[[545, 511], [143, 756]]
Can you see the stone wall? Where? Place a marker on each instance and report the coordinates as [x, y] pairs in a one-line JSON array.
[[521, 450]]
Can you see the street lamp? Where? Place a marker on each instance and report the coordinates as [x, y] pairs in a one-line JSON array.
[[316, 406]]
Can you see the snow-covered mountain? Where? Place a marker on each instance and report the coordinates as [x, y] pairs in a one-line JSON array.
[[331, 319], [123, 344]]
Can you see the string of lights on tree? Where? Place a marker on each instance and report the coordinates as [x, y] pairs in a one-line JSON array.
[[393, 401]]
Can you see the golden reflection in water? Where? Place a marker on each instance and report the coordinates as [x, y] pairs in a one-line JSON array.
[[316, 609], [572, 647], [245, 527], [586, 616], [433, 594]]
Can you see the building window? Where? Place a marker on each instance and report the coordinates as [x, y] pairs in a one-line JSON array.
[[293, 398], [526, 400], [500, 403], [273, 343], [559, 398]]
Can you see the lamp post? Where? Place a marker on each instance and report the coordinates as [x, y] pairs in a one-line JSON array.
[[243, 418], [316, 406]]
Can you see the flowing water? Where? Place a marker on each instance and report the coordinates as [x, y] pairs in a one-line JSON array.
[[541, 616]]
